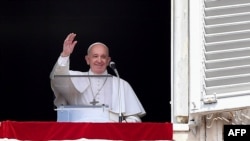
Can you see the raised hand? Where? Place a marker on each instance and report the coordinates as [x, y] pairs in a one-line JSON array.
[[68, 45]]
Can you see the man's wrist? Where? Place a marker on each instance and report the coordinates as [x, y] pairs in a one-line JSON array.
[[64, 55]]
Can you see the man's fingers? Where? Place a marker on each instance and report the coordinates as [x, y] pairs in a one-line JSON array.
[[70, 40], [74, 43], [70, 37]]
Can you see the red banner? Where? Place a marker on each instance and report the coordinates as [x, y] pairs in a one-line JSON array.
[[72, 131]]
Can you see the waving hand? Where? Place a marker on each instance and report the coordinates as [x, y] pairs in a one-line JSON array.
[[68, 45]]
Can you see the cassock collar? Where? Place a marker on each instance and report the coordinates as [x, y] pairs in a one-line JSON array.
[[92, 73]]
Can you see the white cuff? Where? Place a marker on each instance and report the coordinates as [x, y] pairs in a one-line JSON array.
[[63, 61]]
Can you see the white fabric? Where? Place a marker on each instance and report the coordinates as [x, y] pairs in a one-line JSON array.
[[82, 114], [77, 91]]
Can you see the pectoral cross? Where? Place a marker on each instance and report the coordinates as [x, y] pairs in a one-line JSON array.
[[94, 102]]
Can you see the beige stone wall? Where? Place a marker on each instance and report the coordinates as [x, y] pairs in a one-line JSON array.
[[211, 132]]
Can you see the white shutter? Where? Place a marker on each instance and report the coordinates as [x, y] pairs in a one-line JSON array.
[[225, 56]]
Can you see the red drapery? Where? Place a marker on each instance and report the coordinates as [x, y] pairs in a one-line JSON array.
[[71, 131]]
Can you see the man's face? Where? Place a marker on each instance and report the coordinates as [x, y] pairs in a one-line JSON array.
[[98, 59]]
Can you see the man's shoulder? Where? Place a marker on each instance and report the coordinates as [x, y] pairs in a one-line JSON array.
[[121, 79]]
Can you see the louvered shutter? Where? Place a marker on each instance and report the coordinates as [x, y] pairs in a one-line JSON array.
[[225, 56]]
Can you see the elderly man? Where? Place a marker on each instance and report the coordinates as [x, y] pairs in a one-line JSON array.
[[115, 93]]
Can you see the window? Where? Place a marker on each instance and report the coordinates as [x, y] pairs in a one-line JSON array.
[[219, 56]]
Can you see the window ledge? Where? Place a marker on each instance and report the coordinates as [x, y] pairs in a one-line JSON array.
[[180, 127]]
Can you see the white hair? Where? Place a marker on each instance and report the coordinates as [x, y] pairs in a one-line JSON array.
[[96, 43]]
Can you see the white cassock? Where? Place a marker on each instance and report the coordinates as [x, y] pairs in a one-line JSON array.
[[81, 91]]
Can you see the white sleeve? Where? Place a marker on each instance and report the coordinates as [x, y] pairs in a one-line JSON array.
[[63, 61], [132, 119]]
